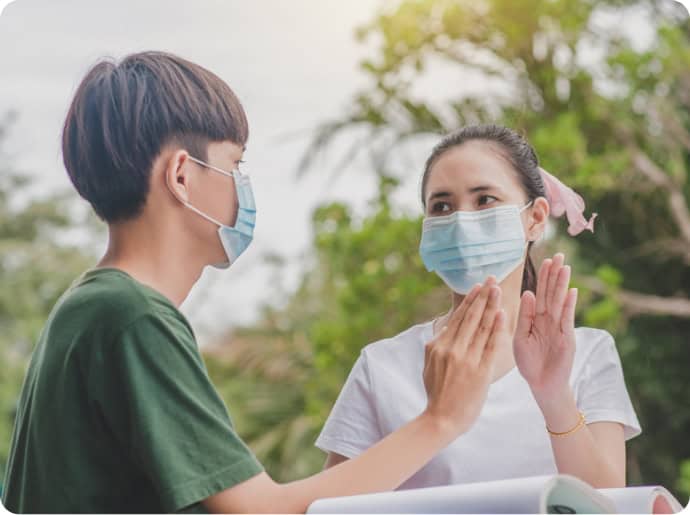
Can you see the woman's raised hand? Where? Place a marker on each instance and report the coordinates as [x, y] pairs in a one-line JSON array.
[[459, 360], [544, 343]]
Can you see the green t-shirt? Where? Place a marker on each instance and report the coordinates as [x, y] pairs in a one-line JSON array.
[[117, 412]]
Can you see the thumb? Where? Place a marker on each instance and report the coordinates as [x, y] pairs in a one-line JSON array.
[[525, 316]]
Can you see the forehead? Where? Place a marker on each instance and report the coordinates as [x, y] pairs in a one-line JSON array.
[[470, 164]]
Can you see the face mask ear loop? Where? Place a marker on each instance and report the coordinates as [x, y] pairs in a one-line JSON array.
[[527, 242], [210, 219], [526, 205], [211, 167]]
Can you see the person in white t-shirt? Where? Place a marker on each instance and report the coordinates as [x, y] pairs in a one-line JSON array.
[[558, 401]]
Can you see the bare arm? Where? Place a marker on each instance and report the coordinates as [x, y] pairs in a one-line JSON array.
[[544, 348], [457, 372], [601, 452], [382, 467], [594, 453]]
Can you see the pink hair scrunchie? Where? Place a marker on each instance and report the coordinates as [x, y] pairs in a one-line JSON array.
[[563, 199]]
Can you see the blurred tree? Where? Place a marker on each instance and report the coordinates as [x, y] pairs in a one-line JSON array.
[[35, 268], [607, 111]]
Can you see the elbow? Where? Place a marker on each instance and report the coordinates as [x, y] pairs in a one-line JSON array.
[[287, 498], [609, 478], [610, 482]]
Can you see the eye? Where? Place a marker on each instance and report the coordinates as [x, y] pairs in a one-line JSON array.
[[440, 208], [486, 200]]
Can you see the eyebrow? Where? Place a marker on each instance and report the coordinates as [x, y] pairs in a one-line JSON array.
[[483, 187], [439, 194], [476, 189]]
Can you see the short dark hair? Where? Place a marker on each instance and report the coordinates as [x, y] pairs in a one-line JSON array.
[[517, 151], [123, 114]]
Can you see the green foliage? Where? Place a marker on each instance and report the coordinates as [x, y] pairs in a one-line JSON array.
[[34, 271], [683, 484]]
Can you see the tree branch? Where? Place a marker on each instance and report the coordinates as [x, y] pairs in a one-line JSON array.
[[642, 304], [676, 129], [677, 202], [666, 247]]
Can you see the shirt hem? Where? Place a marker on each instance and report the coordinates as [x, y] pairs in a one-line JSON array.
[[631, 429], [198, 489], [329, 444]]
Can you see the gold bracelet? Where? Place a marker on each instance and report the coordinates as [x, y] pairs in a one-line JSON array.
[[580, 424]]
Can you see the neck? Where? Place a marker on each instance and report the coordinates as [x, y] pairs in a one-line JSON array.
[[151, 254]]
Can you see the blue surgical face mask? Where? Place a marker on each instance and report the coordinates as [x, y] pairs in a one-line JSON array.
[[235, 240], [466, 247]]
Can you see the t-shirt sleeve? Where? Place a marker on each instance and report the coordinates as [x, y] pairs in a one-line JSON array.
[[352, 427], [603, 396], [156, 397]]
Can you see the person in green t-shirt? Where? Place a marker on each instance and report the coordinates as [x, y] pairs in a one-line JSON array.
[[117, 412]]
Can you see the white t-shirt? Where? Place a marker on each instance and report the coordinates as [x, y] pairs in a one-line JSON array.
[[385, 390]]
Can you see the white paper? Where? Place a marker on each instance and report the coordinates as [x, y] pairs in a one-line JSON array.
[[520, 495], [640, 499]]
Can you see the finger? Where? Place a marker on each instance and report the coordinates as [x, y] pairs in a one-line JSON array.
[[431, 361], [427, 353], [448, 331], [556, 266], [489, 350], [560, 293], [542, 282], [473, 317], [525, 315], [568, 317], [478, 342], [466, 304]]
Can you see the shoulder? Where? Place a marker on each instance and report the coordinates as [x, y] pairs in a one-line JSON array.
[[594, 347], [589, 340], [104, 303], [399, 349]]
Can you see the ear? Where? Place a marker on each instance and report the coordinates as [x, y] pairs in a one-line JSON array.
[[176, 174], [537, 216]]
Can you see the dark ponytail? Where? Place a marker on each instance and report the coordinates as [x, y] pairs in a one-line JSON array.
[[517, 151], [529, 276]]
